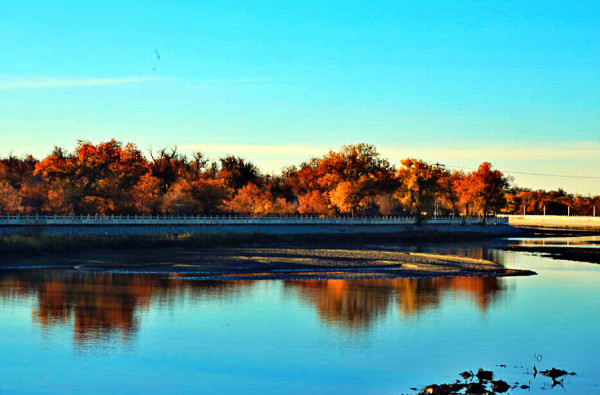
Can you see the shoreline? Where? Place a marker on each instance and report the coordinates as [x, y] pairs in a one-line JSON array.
[[268, 262], [578, 254], [33, 245]]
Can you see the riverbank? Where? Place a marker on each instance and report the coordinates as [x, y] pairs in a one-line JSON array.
[[32, 245], [265, 262]]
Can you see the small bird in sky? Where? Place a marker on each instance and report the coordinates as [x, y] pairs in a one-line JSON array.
[[157, 60]]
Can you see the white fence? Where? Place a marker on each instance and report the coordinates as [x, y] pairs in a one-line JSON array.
[[35, 220], [555, 221]]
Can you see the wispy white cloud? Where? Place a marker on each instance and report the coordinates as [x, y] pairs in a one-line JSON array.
[[49, 82], [45, 83], [223, 81]]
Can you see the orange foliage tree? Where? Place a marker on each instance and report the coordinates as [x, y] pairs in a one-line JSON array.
[[486, 189], [351, 197], [63, 198], [350, 178], [112, 178], [34, 196], [17, 171], [449, 185], [251, 200], [147, 194], [314, 202], [201, 196], [418, 185], [9, 198], [101, 174]]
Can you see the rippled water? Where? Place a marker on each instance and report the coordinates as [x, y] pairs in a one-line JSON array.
[[579, 241], [72, 332]]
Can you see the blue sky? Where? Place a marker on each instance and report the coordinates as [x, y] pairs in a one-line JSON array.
[[514, 83]]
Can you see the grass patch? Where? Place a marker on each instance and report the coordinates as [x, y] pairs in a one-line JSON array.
[[35, 245]]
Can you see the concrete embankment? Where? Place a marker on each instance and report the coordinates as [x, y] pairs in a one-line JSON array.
[[262, 226], [555, 222]]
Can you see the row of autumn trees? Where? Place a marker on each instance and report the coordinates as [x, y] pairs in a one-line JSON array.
[[112, 178]]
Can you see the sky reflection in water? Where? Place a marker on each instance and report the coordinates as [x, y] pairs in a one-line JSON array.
[[68, 331]]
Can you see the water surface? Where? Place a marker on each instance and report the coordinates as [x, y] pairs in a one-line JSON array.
[[69, 331]]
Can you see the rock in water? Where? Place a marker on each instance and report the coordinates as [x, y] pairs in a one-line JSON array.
[[477, 388], [484, 374], [554, 373], [443, 389], [500, 386]]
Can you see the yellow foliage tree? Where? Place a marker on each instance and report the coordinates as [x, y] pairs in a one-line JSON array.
[[314, 203], [146, 194], [251, 200], [418, 185]]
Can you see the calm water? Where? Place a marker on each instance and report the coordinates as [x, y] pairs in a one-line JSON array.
[[73, 332]]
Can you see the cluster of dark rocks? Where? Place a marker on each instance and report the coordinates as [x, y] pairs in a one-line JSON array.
[[556, 374], [483, 383]]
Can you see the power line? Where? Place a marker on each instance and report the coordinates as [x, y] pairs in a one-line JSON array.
[[529, 173]]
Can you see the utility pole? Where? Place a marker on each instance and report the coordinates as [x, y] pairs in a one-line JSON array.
[[544, 210], [435, 213], [568, 211]]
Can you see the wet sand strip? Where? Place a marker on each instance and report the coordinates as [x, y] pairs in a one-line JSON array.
[[277, 263]]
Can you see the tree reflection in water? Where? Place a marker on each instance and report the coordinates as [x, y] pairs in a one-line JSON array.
[[358, 303], [103, 306]]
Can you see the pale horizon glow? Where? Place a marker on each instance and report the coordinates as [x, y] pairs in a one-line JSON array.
[[273, 158]]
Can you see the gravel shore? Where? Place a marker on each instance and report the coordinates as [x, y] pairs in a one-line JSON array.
[[273, 263]]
